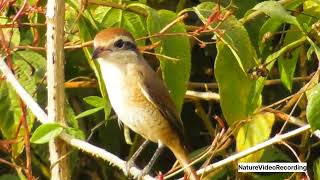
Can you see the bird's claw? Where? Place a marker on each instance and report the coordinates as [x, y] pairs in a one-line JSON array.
[[129, 165]]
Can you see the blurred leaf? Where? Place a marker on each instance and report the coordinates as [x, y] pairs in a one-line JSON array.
[[175, 74], [10, 115], [275, 10], [95, 101], [9, 177], [135, 24], [287, 62], [89, 112], [240, 6], [256, 131], [270, 26], [312, 7], [29, 68], [70, 116], [270, 176], [111, 17], [239, 94], [227, 36], [46, 132], [87, 33], [11, 35], [315, 47], [76, 133], [316, 168], [273, 154], [313, 113]]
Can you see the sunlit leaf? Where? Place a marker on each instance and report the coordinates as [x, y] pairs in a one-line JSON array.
[[274, 154], [313, 113], [95, 101], [46, 132], [256, 131], [89, 112], [287, 62], [316, 168], [239, 94], [175, 74], [275, 10]]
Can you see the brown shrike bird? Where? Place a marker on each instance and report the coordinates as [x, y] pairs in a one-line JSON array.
[[138, 96]]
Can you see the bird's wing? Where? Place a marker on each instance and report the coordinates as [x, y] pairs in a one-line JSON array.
[[156, 92]]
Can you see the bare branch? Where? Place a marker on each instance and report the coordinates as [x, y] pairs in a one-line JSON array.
[[55, 78]]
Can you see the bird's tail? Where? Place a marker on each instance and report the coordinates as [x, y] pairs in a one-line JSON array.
[[181, 155]]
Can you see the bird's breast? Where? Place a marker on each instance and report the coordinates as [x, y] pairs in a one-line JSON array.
[[130, 104]]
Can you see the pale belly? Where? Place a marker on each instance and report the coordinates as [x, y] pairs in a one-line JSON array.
[[133, 109]]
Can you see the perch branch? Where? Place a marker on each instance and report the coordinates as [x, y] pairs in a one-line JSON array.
[[276, 139], [77, 143]]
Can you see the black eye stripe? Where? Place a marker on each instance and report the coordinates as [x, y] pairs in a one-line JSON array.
[[130, 45], [119, 43], [127, 45]]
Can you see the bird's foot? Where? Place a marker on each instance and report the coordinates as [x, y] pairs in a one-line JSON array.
[[143, 173], [129, 165]]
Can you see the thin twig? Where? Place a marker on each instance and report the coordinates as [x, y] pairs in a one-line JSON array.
[[274, 140], [203, 95], [296, 155], [172, 23], [26, 139], [9, 163], [267, 83]]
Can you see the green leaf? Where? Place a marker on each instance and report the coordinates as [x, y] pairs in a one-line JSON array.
[[88, 112], [234, 35], [76, 133], [239, 94], [29, 68], [273, 154], [313, 113], [316, 168], [46, 132], [11, 35], [87, 31], [9, 177], [111, 17], [275, 10], [136, 24], [270, 26], [256, 131], [95, 101], [287, 62], [315, 47], [175, 74]]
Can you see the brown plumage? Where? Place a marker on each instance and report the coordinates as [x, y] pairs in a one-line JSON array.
[[138, 96]]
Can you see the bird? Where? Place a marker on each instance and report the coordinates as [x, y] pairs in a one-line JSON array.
[[138, 95]]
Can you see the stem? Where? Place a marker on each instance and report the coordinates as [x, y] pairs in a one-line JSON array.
[[55, 78], [274, 140]]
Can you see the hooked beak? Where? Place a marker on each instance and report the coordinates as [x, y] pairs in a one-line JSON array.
[[97, 52]]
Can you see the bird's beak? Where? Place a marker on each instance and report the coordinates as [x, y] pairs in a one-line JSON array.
[[96, 53]]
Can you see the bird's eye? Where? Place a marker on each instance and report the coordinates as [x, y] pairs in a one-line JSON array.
[[119, 43]]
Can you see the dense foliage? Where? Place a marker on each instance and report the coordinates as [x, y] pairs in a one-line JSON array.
[[240, 72]]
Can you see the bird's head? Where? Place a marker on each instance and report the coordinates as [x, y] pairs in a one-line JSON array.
[[114, 42]]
